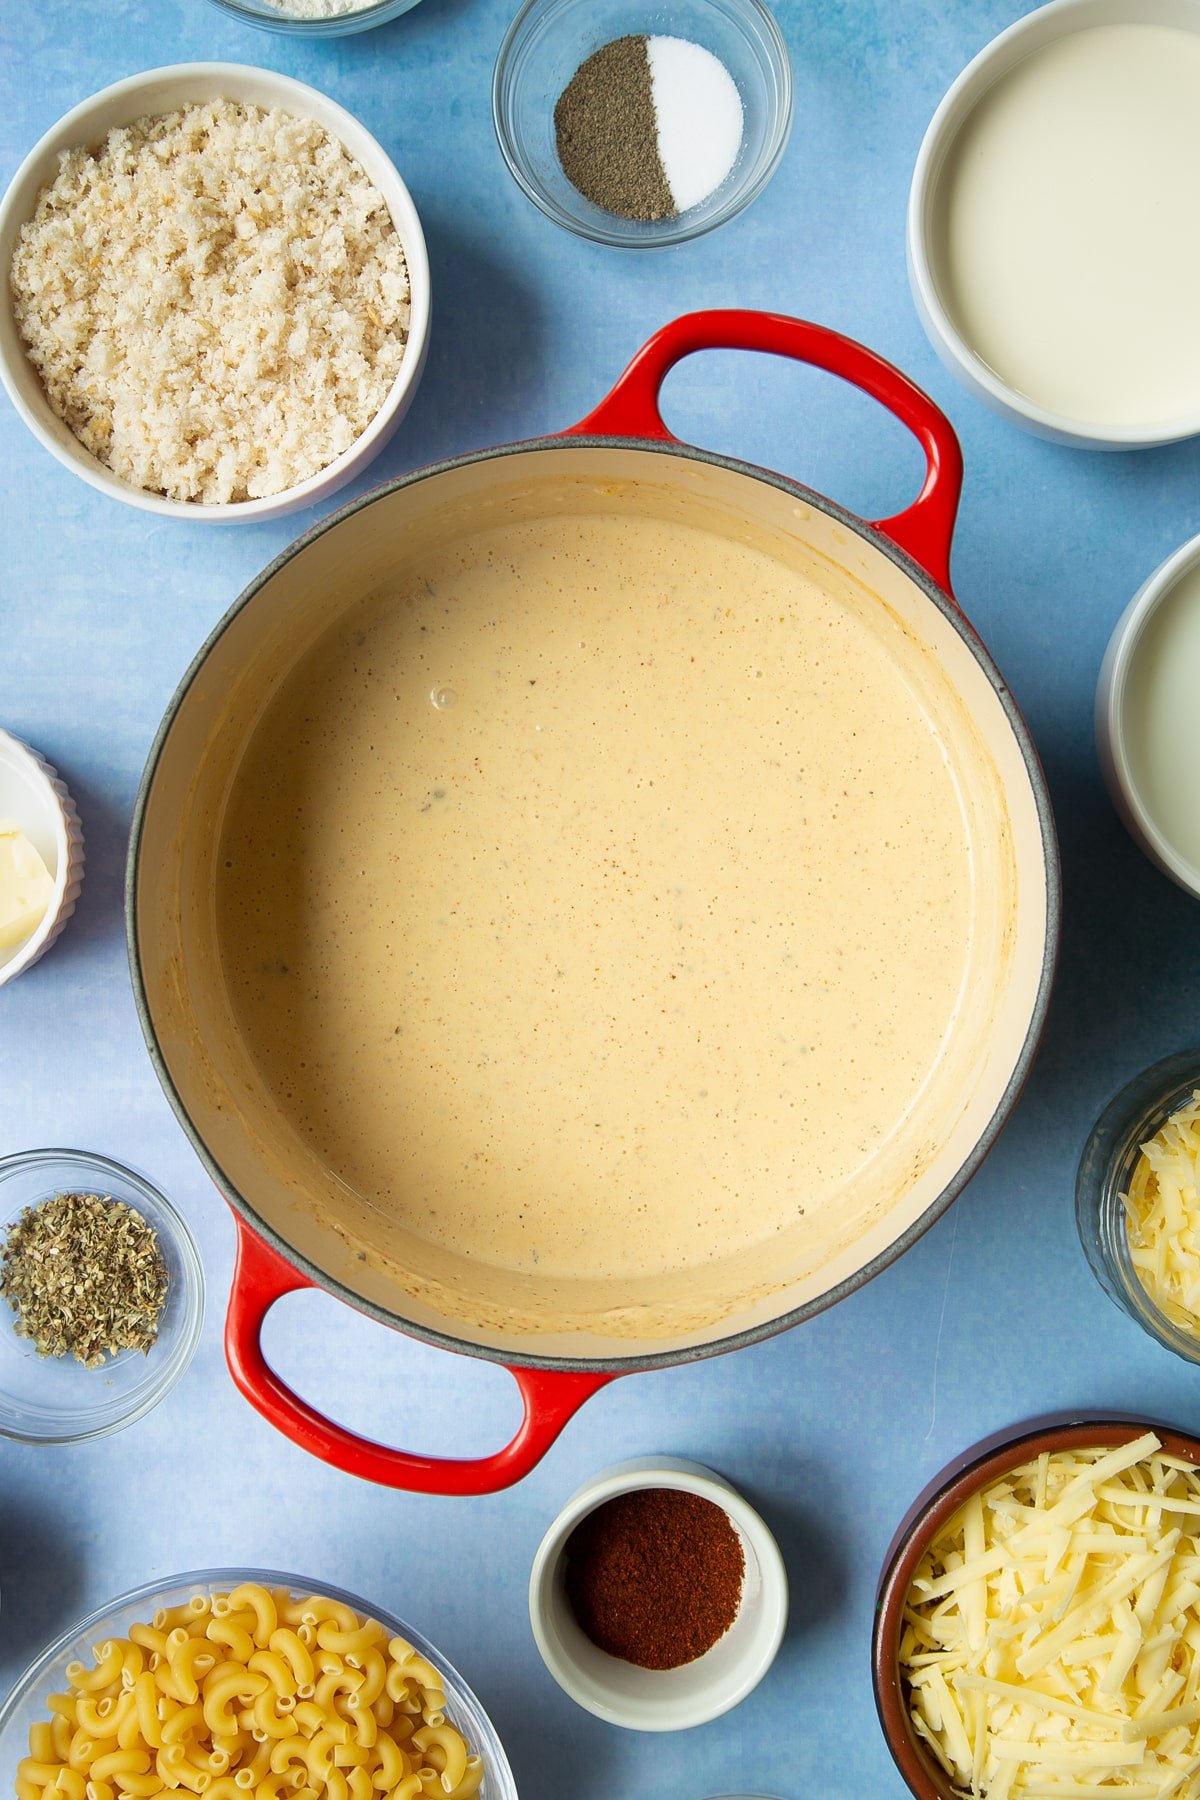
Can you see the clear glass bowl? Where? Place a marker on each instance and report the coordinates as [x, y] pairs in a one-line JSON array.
[[1105, 1170], [54, 1399], [546, 43], [268, 18], [26, 1704]]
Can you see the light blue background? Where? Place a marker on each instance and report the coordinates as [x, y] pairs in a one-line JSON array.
[[994, 1316]]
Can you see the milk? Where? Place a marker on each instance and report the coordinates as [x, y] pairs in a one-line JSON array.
[[1162, 717], [1069, 253]]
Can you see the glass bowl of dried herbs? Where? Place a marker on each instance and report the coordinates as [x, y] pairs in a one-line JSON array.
[[101, 1296], [642, 125]]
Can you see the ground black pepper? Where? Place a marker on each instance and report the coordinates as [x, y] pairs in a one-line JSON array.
[[655, 1576], [606, 132]]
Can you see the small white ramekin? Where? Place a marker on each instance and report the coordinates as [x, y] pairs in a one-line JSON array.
[[660, 1699], [36, 800], [1033, 32], [1111, 693], [165, 90]]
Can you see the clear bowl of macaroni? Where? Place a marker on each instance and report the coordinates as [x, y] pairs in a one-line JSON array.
[[260, 1616]]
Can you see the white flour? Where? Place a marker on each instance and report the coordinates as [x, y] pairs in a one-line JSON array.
[[318, 9]]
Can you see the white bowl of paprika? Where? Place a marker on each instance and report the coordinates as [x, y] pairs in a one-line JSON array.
[[658, 1597]]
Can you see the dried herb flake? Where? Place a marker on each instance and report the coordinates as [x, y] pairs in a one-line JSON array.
[[85, 1277]]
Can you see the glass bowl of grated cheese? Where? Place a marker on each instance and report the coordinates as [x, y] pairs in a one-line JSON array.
[[315, 18], [1137, 1202], [1035, 1623]]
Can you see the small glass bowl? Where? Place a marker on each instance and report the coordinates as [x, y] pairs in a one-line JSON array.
[[546, 43], [54, 1399], [1105, 1170], [267, 18], [26, 1704]]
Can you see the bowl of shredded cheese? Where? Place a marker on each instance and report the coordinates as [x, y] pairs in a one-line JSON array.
[[217, 299], [248, 1681], [1036, 1621], [1137, 1202]]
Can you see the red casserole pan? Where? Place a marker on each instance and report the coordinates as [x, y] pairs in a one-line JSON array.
[[300, 1224]]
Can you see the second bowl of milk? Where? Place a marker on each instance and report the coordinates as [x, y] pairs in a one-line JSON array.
[[1148, 719]]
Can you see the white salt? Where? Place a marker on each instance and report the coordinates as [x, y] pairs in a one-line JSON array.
[[699, 114]]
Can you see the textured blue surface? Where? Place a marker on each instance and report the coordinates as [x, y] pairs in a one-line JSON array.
[[994, 1316]]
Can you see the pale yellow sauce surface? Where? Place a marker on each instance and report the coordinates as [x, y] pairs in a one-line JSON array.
[[600, 904]]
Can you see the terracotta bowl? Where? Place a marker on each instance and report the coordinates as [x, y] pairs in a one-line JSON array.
[[976, 1468]]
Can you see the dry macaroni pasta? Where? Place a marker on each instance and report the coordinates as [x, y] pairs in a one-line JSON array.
[[251, 1695]]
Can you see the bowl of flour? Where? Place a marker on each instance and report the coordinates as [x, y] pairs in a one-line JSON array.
[[315, 18]]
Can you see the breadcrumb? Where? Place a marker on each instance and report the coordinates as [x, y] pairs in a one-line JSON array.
[[216, 300]]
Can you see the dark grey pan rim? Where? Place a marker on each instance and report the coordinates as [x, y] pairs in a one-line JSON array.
[[770, 1328]]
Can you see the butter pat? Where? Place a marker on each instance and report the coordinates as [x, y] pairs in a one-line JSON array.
[[26, 886]]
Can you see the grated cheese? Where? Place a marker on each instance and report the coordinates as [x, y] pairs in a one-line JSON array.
[[1051, 1645], [1162, 1217]]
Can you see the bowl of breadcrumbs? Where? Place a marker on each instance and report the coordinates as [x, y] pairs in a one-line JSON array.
[[217, 297]]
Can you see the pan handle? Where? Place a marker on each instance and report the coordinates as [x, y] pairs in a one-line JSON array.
[[923, 530], [550, 1397]]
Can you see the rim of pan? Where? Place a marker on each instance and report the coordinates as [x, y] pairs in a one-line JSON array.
[[446, 1340]]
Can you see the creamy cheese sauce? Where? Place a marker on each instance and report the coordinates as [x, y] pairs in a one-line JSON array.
[[1070, 257], [1162, 724], [601, 902]]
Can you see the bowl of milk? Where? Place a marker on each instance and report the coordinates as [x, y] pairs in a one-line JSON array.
[[1048, 248], [1148, 721]]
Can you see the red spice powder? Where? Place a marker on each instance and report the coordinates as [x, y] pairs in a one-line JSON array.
[[655, 1576]]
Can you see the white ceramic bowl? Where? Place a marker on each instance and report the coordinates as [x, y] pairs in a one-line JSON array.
[[160, 91], [1029, 34], [34, 798], [1112, 718], [661, 1699]]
